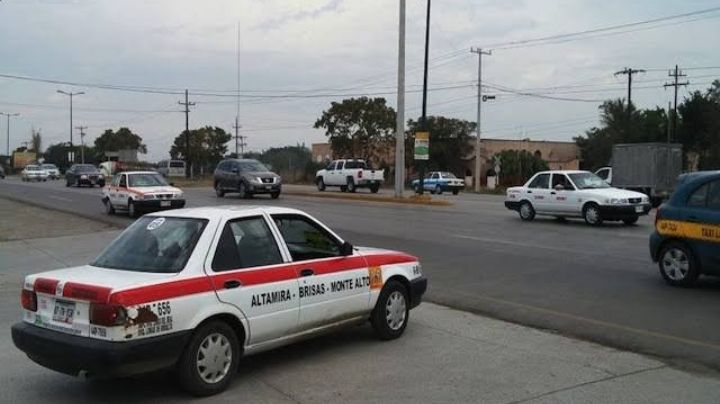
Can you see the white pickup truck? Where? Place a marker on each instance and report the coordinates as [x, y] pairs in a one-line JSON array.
[[349, 175]]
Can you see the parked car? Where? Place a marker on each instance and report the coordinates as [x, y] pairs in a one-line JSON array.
[[686, 240], [439, 181], [84, 174], [34, 172], [349, 175], [140, 191], [2, 173], [52, 170], [171, 168], [247, 177], [576, 194], [197, 289]]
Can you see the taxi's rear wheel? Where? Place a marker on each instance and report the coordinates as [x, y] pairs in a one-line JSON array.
[[677, 264], [526, 211], [210, 359], [392, 310]]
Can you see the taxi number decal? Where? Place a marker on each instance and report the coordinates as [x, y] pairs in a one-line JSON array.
[[697, 231], [376, 281]]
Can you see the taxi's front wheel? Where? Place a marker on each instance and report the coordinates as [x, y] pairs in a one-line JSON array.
[[391, 313], [210, 360]]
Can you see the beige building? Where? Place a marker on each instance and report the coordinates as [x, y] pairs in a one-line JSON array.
[[558, 155]]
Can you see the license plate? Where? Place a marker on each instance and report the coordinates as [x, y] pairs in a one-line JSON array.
[[64, 312], [639, 209], [164, 204], [268, 186]]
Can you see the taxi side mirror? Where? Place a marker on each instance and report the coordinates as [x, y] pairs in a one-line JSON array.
[[346, 249]]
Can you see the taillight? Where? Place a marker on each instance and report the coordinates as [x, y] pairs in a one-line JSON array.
[[107, 315], [360, 174], [28, 299]]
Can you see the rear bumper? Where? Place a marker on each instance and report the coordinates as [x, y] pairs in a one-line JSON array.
[[418, 287], [512, 205], [154, 204], [612, 212], [71, 354], [368, 183]]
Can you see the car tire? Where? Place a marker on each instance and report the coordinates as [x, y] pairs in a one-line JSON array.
[[343, 188], [109, 209], [132, 212], [320, 184], [374, 188], [526, 211], [591, 214], [438, 190], [677, 264], [455, 191], [218, 190], [392, 311], [416, 188], [67, 183], [216, 340], [631, 221], [275, 195], [351, 185]]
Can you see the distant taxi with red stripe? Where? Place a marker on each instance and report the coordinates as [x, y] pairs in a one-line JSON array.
[[195, 289], [137, 192]]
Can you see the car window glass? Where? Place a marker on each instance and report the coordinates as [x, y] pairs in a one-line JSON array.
[[306, 240], [116, 180], [698, 197], [713, 198], [123, 181], [246, 243], [561, 179], [146, 180], [340, 165], [330, 166], [435, 176], [541, 181], [603, 174]]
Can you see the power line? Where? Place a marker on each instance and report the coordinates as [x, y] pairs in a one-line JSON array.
[[575, 35], [529, 94]]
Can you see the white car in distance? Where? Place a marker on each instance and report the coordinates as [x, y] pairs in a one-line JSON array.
[[580, 194], [34, 172]]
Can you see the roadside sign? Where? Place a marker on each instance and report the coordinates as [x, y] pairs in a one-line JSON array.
[[422, 145], [21, 159]]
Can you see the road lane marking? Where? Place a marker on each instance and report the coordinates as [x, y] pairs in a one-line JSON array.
[[589, 320], [529, 245], [60, 198]]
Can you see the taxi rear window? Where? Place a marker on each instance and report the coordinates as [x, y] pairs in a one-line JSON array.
[[153, 244]]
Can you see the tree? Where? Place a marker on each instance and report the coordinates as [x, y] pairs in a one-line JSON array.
[[207, 147], [358, 127], [449, 143], [699, 128], [123, 139], [517, 166], [35, 141]]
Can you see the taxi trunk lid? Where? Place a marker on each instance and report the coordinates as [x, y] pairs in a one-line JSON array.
[[64, 297]]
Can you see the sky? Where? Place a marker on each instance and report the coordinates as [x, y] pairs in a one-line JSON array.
[[298, 56]]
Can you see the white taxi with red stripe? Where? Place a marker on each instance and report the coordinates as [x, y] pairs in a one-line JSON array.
[[197, 288], [140, 191]]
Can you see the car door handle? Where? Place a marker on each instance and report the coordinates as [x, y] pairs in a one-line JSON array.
[[232, 284], [529, 192], [553, 193], [307, 272]]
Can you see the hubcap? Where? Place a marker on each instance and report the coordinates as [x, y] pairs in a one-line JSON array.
[[675, 264], [592, 215], [395, 311], [525, 211], [214, 358]]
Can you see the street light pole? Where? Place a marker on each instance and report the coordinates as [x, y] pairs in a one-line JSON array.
[[423, 118], [71, 95], [478, 161], [400, 118], [8, 115]]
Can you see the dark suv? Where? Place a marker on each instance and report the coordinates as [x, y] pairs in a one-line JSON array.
[[247, 177], [84, 174]]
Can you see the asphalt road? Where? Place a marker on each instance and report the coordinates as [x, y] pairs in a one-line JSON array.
[[594, 283]]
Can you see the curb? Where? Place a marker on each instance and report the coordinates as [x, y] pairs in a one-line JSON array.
[[366, 198]]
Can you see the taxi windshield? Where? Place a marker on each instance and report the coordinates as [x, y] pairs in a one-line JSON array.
[[588, 181], [153, 244], [146, 180]]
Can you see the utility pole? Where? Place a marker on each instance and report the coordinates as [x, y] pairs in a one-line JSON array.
[[676, 74], [478, 161], [668, 122], [8, 115], [400, 117], [71, 155], [187, 104], [629, 72], [423, 118], [82, 142]]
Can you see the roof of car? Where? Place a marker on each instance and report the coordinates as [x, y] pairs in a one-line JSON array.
[[139, 172], [214, 212], [563, 172]]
